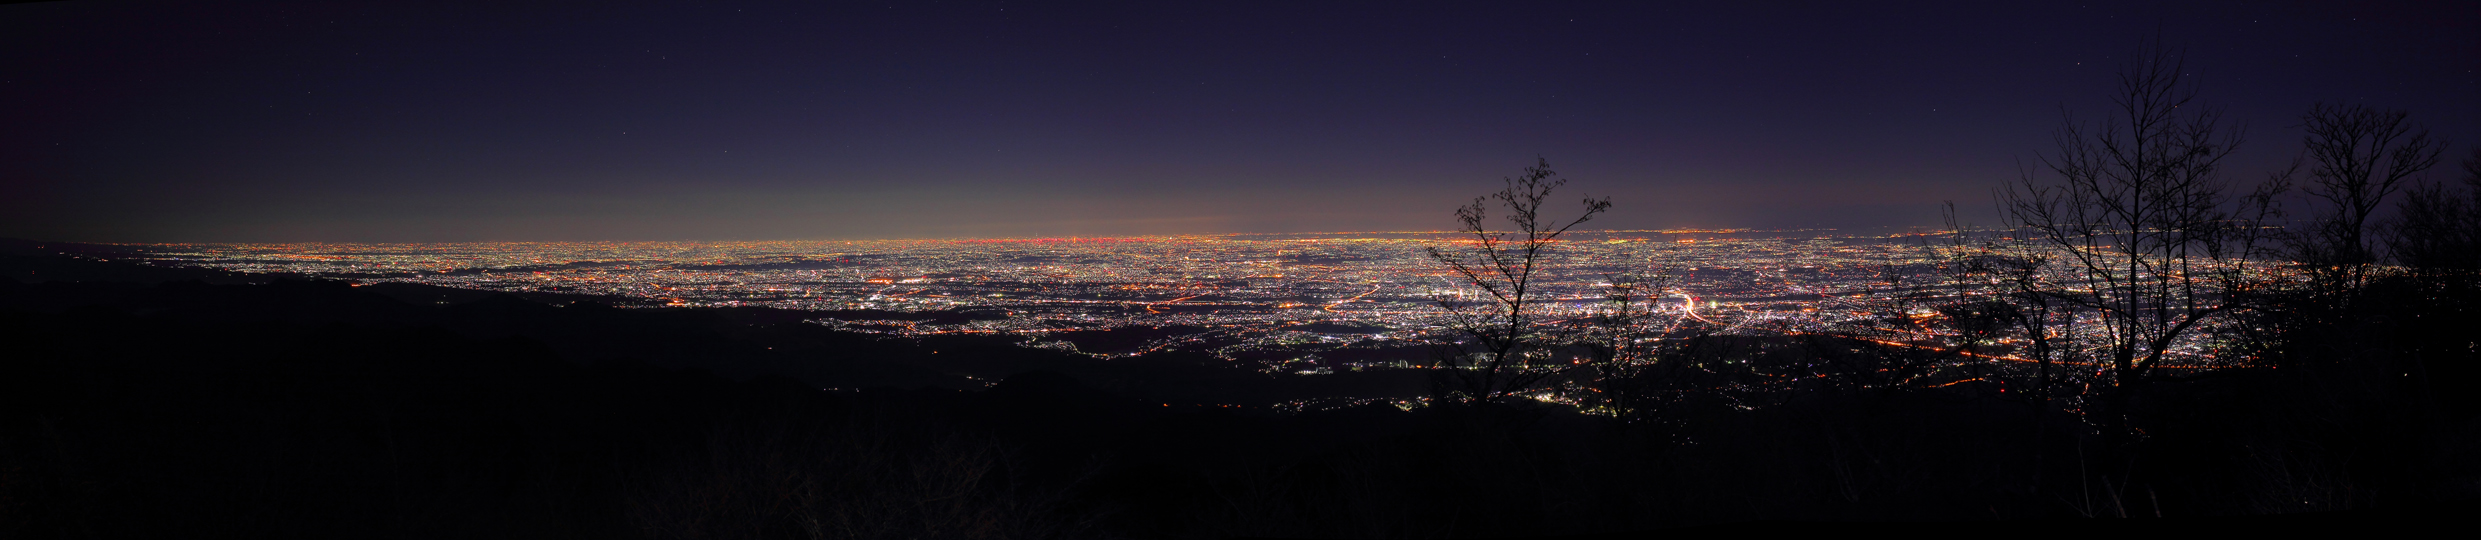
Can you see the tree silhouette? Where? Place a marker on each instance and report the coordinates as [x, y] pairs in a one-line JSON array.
[[2438, 231], [2135, 228], [2362, 156], [1505, 346]]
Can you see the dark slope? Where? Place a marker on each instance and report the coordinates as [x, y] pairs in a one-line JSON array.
[[29, 261], [307, 409]]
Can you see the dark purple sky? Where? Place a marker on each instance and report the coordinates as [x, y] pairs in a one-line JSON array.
[[448, 121]]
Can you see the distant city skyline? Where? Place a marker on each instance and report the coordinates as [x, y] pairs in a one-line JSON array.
[[450, 122]]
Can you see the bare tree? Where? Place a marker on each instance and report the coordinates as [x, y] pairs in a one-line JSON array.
[[2438, 230], [2020, 306], [1505, 347], [2362, 156], [2135, 230], [1623, 344]]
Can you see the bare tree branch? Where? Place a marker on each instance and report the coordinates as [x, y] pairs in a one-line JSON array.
[[1506, 350]]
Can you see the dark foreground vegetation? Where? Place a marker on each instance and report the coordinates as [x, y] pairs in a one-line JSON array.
[[141, 402]]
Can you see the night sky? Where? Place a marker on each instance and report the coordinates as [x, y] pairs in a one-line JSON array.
[[452, 121]]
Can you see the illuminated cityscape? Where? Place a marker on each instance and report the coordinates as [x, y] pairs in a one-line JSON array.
[[1213, 270], [1382, 283], [1299, 304]]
